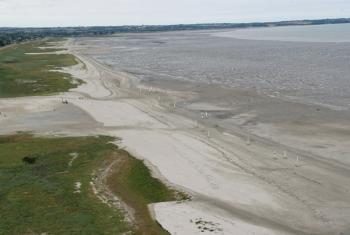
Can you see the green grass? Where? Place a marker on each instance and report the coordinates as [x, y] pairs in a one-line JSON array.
[[140, 181], [40, 198], [27, 75], [133, 183]]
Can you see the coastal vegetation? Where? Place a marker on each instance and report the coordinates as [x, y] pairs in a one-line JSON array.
[[28, 69], [51, 195], [46, 187], [132, 181]]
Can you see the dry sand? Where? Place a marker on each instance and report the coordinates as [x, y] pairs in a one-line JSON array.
[[242, 180]]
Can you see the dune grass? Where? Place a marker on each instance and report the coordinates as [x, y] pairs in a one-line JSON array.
[[23, 74], [133, 183], [42, 197], [39, 191]]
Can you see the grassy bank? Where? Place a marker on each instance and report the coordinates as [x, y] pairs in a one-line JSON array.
[[45, 187], [133, 183], [23, 74], [43, 197]]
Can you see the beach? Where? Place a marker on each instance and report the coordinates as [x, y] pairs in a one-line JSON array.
[[252, 163]]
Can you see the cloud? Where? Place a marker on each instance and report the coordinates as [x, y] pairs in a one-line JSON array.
[[121, 12]]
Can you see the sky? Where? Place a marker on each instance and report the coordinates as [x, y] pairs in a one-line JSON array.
[[43, 13]]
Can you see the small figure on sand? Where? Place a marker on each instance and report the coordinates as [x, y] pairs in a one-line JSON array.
[[64, 101]]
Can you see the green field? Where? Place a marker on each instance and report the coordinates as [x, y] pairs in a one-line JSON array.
[[41, 196], [24, 74], [133, 183]]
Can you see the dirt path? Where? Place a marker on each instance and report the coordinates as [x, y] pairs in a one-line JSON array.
[[103, 192]]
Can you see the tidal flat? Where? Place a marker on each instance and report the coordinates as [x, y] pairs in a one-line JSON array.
[[269, 124], [309, 72]]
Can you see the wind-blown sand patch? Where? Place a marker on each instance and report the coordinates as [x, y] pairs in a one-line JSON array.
[[117, 114], [180, 157], [190, 218]]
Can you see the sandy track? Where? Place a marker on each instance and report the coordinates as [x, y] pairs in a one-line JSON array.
[[102, 191]]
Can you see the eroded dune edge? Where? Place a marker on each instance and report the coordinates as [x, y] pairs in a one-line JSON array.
[[238, 183]]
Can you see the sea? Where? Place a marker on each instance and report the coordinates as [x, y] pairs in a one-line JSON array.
[[306, 33], [308, 64]]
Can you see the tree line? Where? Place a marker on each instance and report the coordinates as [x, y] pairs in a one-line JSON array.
[[14, 35]]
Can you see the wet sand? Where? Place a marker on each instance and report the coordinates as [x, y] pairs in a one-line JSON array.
[[253, 164]]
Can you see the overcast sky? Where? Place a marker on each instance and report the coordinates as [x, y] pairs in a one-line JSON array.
[[128, 12]]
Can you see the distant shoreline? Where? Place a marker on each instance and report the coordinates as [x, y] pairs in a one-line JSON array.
[[10, 35], [170, 27], [330, 33]]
